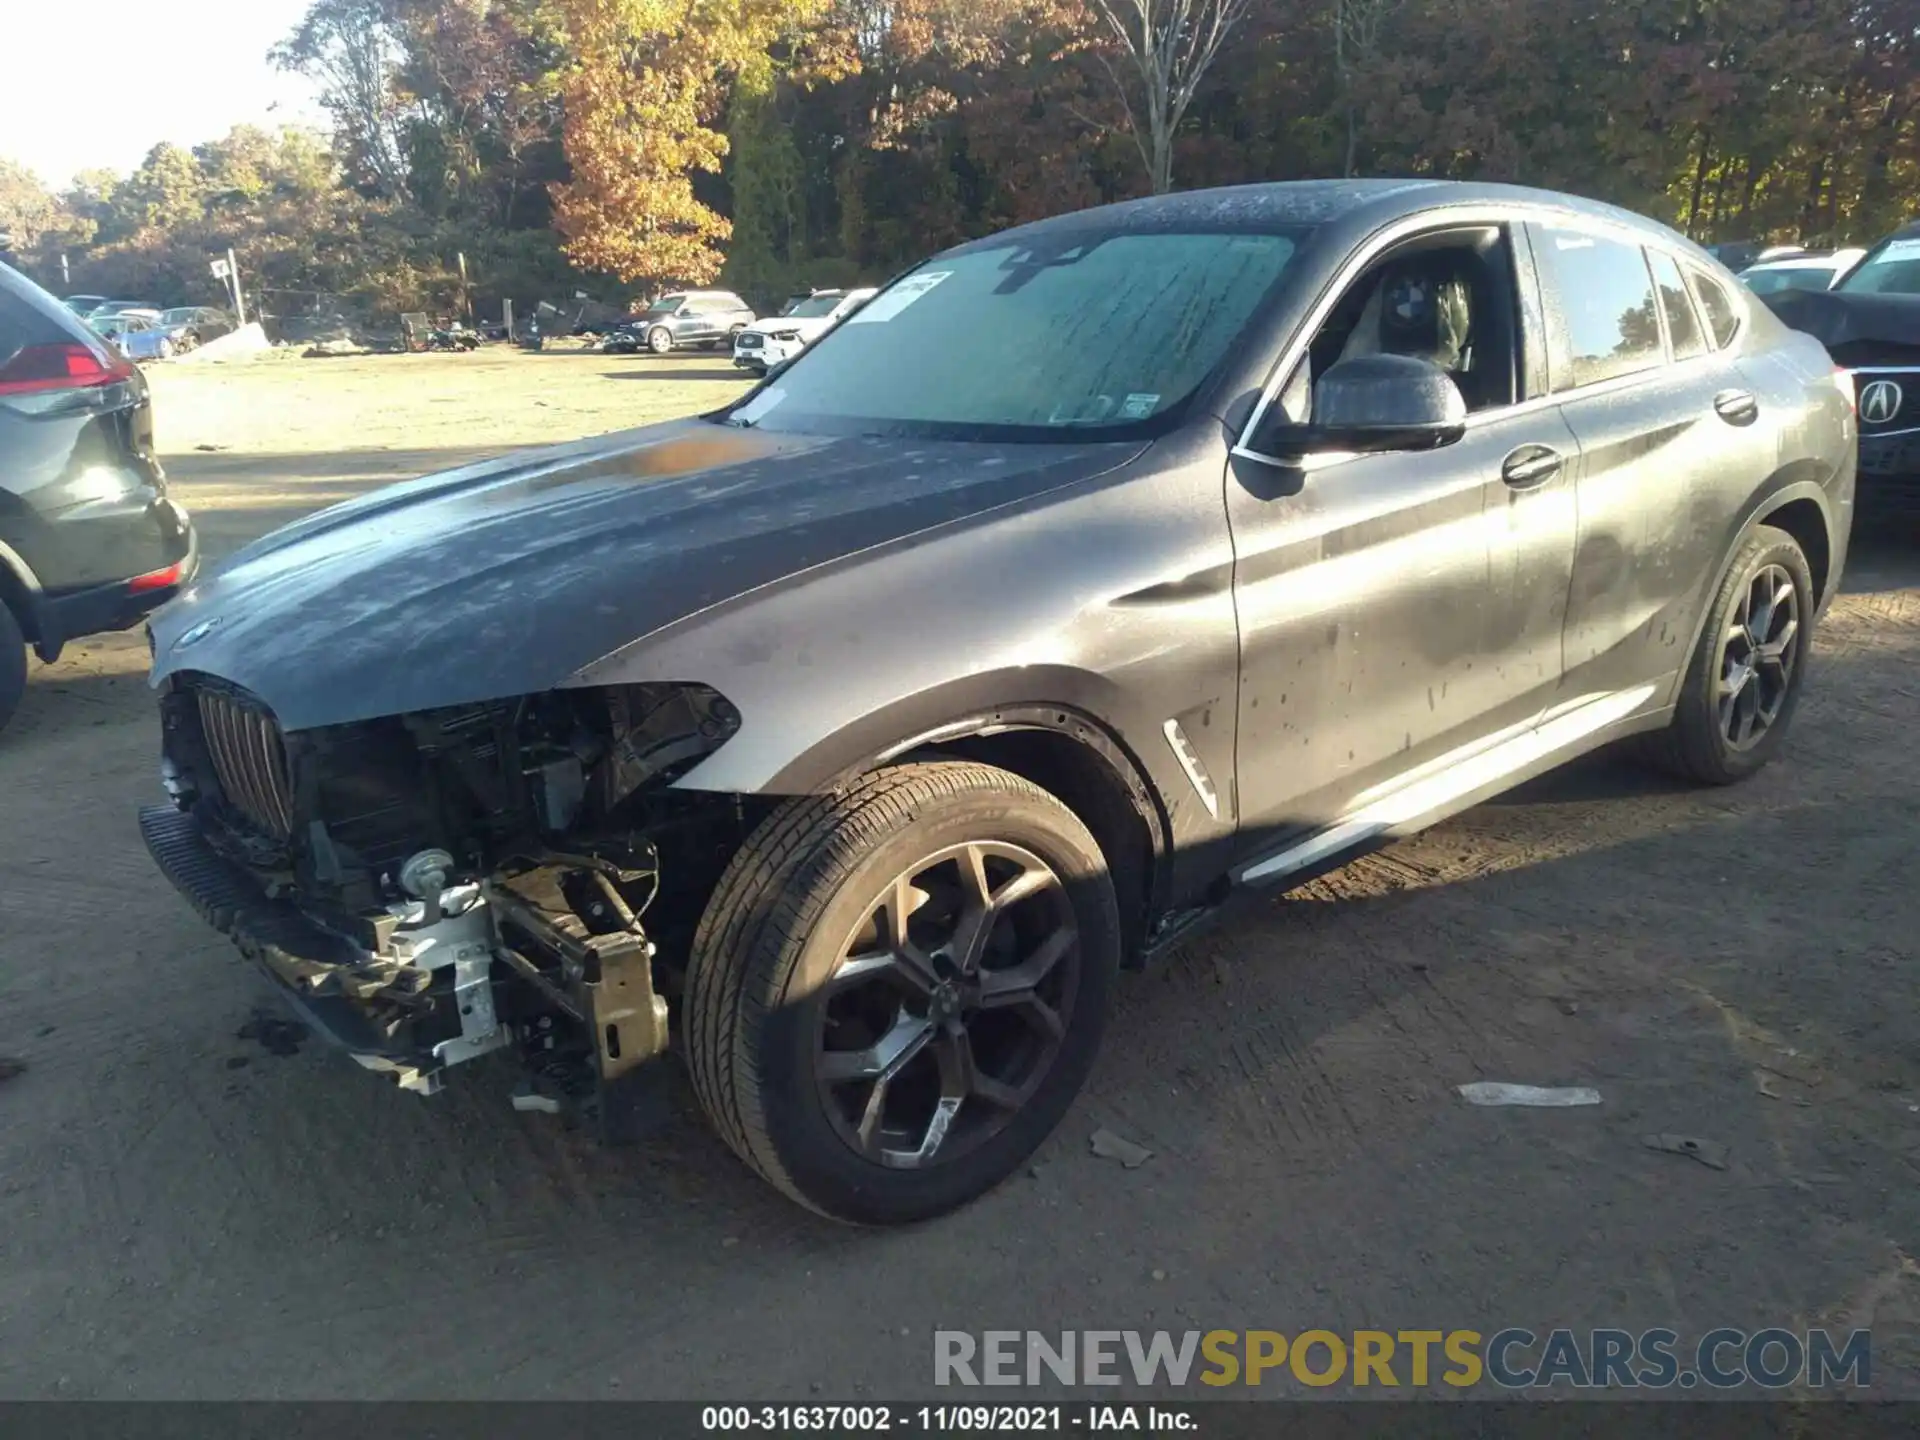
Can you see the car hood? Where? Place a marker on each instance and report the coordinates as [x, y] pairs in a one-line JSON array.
[[1838, 318], [506, 577]]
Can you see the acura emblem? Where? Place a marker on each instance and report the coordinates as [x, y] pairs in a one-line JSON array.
[[1880, 401]]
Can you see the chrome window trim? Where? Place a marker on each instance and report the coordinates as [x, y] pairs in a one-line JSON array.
[[1411, 227], [1700, 326]]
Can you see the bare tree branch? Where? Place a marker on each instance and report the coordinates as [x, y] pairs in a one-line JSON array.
[[1170, 45]]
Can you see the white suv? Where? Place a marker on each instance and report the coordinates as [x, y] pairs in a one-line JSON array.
[[767, 343]]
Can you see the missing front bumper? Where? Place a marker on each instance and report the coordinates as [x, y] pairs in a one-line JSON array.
[[510, 970]]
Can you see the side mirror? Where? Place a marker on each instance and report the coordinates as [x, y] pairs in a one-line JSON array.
[[1369, 405]]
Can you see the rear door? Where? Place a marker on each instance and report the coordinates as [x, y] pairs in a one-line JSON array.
[[1661, 415]]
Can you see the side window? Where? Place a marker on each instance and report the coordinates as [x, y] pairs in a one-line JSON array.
[[1723, 319], [1683, 326], [1447, 298], [1602, 294]]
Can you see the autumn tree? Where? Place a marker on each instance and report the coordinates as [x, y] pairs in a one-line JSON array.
[[27, 208], [644, 81], [351, 49]]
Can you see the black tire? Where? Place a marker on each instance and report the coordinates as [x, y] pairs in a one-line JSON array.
[[13, 665], [660, 340], [781, 921], [1696, 745]]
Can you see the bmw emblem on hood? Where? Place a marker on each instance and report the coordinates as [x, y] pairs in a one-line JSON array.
[[197, 633]]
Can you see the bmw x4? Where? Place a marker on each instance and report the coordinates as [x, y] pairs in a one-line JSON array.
[[848, 741]]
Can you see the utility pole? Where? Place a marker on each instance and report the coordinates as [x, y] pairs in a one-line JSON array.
[[239, 297], [65, 278]]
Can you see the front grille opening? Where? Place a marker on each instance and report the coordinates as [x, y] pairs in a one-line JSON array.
[[249, 760]]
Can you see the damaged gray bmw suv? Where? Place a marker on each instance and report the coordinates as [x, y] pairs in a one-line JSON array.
[[848, 741]]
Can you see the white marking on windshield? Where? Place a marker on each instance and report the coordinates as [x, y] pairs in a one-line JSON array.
[[886, 306]]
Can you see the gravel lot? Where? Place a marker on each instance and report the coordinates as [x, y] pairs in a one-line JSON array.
[[186, 1213]]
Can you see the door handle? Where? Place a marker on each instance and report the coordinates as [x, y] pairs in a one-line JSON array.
[[1736, 407], [1531, 465]]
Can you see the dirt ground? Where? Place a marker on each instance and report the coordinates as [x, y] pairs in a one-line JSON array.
[[185, 1212]]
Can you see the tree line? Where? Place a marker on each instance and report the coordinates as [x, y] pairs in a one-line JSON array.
[[487, 148]]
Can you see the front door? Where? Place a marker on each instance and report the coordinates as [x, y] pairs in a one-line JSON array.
[[1398, 609]]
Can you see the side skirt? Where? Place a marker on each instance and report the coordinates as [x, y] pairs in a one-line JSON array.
[[1423, 797]]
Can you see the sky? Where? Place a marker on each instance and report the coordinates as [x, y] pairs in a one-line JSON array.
[[87, 84]]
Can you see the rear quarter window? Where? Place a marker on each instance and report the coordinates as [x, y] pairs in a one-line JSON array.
[[1723, 315], [1683, 325], [1601, 294]]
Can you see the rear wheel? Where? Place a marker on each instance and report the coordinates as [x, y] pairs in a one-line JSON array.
[[13, 665], [660, 340], [898, 989], [1745, 676]]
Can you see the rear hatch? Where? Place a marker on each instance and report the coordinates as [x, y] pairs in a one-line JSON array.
[[67, 398]]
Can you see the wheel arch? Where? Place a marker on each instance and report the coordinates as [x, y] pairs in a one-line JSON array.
[[1792, 499], [1083, 767], [19, 592], [1064, 747], [1803, 518]]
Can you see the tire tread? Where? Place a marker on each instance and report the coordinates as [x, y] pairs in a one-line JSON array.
[[765, 905]]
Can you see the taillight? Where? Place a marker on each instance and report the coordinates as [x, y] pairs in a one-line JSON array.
[[1843, 382], [68, 366], [156, 580]]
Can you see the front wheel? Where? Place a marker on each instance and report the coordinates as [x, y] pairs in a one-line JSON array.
[[660, 340], [1745, 677], [897, 989]]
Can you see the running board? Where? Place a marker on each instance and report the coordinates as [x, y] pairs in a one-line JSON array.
[[1452, 783]]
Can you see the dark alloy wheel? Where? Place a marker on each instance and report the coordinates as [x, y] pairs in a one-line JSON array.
[[898, 988], [1744, 678], [1757, 657], [943, 1014]]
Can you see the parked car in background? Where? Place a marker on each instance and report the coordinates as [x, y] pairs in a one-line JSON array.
[[1800, 272], [134, 335], [84, 304], [1737, 255], [1870, 323], [686, 319], [190, 325], [766, 343], [89, 540], [124, 307], [1092, 571]]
